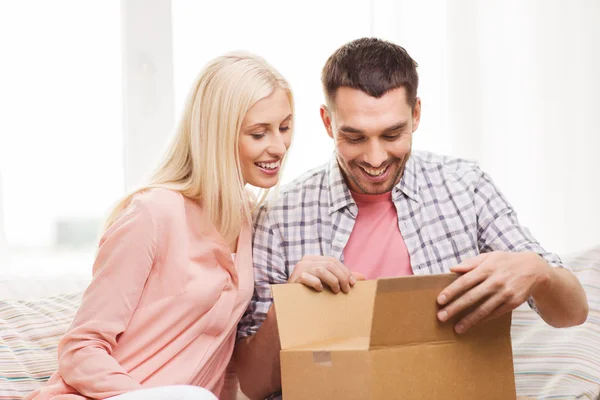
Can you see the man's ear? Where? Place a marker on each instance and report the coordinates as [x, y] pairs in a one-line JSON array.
[[326, 118], [416, 114]]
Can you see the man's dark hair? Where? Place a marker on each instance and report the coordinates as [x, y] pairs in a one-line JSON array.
[[373, 66]]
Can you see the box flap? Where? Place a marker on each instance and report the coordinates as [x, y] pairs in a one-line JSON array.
[[475, 366], [405, 311], [305, 316], [354, 343]]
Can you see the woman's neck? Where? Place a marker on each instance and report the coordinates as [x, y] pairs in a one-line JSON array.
[[233, 246]]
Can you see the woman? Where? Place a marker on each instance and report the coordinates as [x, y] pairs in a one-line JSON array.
[[173, 273]]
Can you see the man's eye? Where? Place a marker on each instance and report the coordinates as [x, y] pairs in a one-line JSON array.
[[392, 137], [354, 140]]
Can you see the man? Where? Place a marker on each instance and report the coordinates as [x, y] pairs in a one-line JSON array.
[[378, 210]]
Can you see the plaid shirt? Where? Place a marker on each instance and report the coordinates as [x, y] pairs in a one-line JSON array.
[[448, 210]]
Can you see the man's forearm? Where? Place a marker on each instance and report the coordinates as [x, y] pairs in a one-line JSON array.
[[257, 360], [560, 298]]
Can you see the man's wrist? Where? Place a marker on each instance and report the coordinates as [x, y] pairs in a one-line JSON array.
[[543, 278]]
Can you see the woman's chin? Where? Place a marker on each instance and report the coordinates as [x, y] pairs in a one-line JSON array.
[[264, 183]]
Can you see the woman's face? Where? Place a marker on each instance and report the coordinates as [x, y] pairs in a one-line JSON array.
[[264, 139]]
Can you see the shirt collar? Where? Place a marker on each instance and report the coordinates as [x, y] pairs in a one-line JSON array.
[[339, 194], [409, 183]]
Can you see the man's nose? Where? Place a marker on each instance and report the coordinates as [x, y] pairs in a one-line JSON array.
[[375, 155]]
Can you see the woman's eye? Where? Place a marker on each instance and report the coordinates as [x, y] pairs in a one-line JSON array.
[[284, 129], [258, 135]]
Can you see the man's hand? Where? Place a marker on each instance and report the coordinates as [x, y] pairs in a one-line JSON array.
[[499, 281], [314, 271]]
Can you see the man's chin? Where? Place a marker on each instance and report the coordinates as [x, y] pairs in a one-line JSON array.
[[357, 181], [375, 188], [367, 186]]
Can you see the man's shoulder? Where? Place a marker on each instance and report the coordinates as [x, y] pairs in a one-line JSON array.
[[437, 168], [309, 186], [311, 180], [304, 192]]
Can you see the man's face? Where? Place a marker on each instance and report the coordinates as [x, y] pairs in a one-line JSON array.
[[373, 137]]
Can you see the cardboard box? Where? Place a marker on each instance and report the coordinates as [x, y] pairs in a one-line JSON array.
[[383, 341]]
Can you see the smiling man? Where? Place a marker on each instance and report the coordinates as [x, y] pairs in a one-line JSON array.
[[377, 209]]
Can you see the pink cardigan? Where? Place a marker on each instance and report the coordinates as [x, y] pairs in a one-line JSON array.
[[162, 308]]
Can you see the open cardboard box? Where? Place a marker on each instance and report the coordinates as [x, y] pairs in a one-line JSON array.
[[383, 341]]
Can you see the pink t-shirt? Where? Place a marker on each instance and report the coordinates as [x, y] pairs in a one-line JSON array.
[[376, 248]]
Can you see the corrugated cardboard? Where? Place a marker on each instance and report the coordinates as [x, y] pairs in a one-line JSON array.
[[383, 341]]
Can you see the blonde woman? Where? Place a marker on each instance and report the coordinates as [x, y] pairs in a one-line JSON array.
[[173, 273]]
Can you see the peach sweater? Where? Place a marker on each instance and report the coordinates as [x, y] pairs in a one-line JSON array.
[[162, 308]]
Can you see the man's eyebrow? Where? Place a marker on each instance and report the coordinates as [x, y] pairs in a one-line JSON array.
[[349, 129], [395, 127]]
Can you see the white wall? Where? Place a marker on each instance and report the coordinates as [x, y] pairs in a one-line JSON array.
[[147, 85], [509, 83], [515, 86], [3, 245], [296, 37]]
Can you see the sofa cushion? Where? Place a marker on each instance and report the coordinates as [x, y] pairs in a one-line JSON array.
[[549, 363], [562, 363], [29, 335]]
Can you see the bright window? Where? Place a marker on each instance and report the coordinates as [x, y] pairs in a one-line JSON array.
[[61, 136]]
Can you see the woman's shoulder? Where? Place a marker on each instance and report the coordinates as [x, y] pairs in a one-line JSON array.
[[159, 197], [160, 203]]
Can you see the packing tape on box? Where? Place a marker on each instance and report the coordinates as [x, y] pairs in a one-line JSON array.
[[322, 358]]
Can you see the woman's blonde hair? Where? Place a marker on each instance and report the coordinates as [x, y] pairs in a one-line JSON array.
[[202, 161]]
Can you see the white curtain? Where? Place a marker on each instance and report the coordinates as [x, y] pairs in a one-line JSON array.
[[514, 85], [3, 245]]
